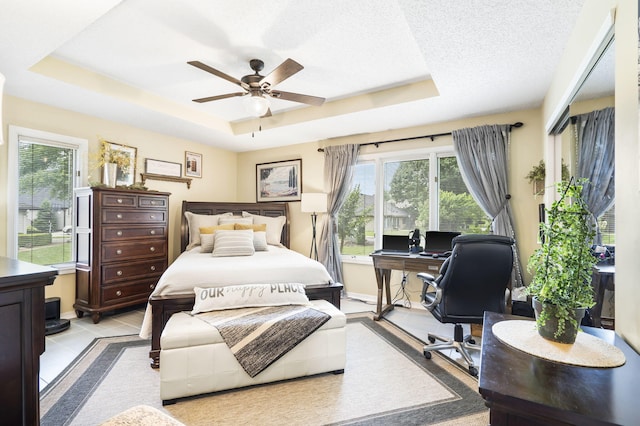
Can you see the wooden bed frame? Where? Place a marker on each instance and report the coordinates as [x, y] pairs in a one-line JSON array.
[[162, 307]]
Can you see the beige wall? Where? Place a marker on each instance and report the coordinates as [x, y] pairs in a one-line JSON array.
[[526, 150], [215, 184], [627, 294]]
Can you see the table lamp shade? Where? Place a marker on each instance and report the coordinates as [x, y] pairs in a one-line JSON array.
[[314, 202]]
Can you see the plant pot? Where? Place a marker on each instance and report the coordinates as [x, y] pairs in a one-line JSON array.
[[548, 327], [110, 173]]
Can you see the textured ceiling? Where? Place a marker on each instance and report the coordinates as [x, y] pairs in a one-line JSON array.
[[381, 64]]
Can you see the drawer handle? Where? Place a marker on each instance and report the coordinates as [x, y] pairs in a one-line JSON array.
[[153, 203], [119, 233], [119, 273], [152, 248], [119, 200], [118, 293], [153, 267], [152, 232], [433, 268], [118, 251], [119, 216], [151, 286], [152, 216]]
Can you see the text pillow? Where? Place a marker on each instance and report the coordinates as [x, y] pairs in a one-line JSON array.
[[233, 243], [196, 221], [248, 295]]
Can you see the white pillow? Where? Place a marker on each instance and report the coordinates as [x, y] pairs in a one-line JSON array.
[[248, 295], [260, 241], [233, 243], [206, 243], [235, 219], [196, 221], [274, 226]]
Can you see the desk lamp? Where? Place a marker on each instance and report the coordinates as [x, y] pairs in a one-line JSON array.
[[313, 203]]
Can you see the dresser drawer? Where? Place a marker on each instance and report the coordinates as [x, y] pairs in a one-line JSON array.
[[115, 252], [133, 216], [125, 233], [133, 270], [131, 291], [153, 202], [119, 200]]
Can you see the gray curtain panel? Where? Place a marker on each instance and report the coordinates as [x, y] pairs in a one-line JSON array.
[[338, 173], [595, 134], [482, 154]]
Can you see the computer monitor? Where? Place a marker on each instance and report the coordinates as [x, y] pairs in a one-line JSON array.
[[438, 242]]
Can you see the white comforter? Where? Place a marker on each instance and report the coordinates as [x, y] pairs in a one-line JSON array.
[[194, 269]]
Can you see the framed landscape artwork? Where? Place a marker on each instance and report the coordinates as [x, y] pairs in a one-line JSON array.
[[279, 181], [126, 174]]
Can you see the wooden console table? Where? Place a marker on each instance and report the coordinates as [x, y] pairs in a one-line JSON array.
[[521, 389], [385, 263]]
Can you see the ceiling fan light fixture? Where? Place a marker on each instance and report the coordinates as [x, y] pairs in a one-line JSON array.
[[256, 105]]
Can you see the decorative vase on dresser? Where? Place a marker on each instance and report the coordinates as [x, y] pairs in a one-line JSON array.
[[121, 246]]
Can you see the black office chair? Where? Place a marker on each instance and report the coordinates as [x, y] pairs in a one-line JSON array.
[[472, 280]]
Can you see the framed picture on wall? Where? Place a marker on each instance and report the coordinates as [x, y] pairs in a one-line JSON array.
[[192, 164], [279, 181], [125, 157]]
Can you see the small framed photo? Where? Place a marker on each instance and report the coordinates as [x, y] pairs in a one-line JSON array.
[[192, 164], [164, 168], [125, 157], [279, 181]]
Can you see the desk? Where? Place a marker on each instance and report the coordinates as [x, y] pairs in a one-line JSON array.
[[385, 263], [603, 279], [521, 389]]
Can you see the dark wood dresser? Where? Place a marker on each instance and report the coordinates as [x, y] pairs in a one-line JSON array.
[[21, 339], [121, 247]]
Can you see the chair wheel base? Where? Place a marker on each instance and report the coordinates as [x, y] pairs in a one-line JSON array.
[[427, 354], [432, 339], [473, 371]]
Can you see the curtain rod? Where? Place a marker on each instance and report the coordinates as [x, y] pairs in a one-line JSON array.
[[432, 137]]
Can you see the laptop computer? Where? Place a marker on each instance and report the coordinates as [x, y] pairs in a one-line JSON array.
[[395, 244], [438, 243]]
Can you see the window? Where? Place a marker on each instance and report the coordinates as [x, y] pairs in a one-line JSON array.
[[46, 169], [607, 223], [392, 194]]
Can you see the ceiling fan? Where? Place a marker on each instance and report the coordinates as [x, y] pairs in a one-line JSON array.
[[259, 87]]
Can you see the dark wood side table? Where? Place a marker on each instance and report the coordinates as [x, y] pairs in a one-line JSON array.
[[521, 389], [385, 263], [21, 339]]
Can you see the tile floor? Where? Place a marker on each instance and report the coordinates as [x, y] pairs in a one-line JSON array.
[[63, 348]]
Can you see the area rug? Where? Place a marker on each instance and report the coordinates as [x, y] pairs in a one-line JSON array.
[[387, 380]]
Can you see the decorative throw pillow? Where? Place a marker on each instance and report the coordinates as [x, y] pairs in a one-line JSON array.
[[260, 241], [274, 226], [260, 227], [233, 243], [248, 295], [206, 243], [234, 220], [195, 221], [206, 236]]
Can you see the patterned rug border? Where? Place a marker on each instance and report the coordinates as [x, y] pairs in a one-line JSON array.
[[88, 370]]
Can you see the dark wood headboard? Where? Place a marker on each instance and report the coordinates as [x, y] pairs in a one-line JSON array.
[[208, 207]]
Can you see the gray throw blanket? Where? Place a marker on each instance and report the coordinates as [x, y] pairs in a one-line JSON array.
[[258, 337]]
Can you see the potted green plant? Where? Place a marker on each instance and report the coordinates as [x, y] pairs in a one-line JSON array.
[[563, 265], [537, 174]]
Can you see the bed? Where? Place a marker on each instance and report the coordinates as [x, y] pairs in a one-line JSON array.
[[174, 291]]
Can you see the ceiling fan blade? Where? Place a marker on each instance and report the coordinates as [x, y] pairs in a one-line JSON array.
[[215, 98], [296, 97], [207, 68], [281, 73]]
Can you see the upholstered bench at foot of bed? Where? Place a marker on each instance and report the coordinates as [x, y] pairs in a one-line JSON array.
[[195, 360]]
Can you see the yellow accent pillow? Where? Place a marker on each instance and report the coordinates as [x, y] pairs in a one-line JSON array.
[[213, 229], [257, 228]]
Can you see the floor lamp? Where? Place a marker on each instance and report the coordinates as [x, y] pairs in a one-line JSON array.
[[314, 203]]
